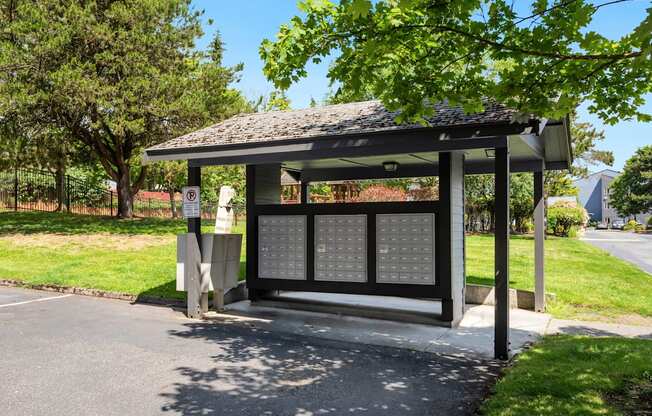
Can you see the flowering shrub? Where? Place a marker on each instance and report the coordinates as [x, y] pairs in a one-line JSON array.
[[564, 218], [381, 193]]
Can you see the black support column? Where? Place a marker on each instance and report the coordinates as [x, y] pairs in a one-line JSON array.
[[539, 238], [197, 302], [304, 192], [263, 188], [251, 234], [501, 262], [450, 243], [194, 224]]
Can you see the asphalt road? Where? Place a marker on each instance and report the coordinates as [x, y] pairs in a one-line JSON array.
[[67, 354], [635, 248]]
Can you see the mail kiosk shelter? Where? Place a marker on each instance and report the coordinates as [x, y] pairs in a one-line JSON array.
[[409, 249]]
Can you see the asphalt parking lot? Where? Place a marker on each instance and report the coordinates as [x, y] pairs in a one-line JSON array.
[[68, 354], [635, 248]]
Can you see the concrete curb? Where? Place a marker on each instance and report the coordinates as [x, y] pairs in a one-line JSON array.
[[475, 294], [93, 293], [236, 294]]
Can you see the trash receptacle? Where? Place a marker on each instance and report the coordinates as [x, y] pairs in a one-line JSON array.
[[220, 264]]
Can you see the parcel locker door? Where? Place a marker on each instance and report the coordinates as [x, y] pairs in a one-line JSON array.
[[282, 247], [340, 248], [405, 248]]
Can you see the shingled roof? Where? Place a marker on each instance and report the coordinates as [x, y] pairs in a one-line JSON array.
[[331, 120]]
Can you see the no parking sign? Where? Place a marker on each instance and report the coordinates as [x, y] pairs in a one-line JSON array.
[[191, 208]]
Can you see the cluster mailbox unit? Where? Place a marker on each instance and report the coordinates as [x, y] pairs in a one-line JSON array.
[[408, 249]]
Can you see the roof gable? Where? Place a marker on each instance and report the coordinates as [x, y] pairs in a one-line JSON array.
[[606, 172]]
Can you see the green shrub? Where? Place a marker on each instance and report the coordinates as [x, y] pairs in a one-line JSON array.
[[630, 226], [573, 231], [563, 216]]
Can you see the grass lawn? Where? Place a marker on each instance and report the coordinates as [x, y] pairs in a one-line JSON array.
[[129, 256], [566, 375], [589, 282], [138, 257]]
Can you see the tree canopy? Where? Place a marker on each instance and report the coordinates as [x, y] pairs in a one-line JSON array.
[[631, 192], [542, 60], [115, 76]]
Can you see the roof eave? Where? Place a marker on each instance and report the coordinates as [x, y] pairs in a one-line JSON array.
[[440, 133]]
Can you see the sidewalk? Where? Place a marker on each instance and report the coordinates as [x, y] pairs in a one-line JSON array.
[[597, 329], [474, 337]]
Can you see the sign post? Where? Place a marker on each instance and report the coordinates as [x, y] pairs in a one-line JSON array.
[[197, 301]]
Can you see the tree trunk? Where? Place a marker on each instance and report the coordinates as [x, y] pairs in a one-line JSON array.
[[125, 197], [60, 178], [173, 202]]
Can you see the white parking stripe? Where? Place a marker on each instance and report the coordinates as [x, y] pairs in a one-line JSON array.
[[35, 300], [613, 240]]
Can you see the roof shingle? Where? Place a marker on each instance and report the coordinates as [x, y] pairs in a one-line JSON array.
[[331, 120]]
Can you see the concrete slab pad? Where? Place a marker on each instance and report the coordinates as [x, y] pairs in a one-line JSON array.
[[473, 337], [386, 302], [417, 311]]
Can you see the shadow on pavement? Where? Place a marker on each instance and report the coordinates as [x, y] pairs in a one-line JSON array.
[[258, 372]]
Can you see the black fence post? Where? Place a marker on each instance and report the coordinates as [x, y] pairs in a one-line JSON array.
[[16, 189], [111, 202], [68, 193]]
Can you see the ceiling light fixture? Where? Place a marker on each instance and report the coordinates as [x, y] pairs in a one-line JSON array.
[[390, 166]]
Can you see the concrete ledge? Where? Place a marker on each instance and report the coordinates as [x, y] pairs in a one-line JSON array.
[[485, 295], [363, 310]]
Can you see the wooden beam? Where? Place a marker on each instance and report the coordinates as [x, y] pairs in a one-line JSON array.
[[444, 237], [304, 192], [251, 234], [539, 238], [197, 302], [405, 136], [417, 171], [501, 261], [334, 148]]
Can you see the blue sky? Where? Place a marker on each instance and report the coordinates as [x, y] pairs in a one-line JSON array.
[[245, 23]]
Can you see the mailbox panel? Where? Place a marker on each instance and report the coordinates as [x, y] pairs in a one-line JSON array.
[[340, 248], [405, 248], [282, 247]]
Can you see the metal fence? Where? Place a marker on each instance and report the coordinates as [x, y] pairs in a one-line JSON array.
[[38, 190]]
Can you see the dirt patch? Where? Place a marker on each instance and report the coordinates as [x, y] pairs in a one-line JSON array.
[[104, 241], [635, 398]]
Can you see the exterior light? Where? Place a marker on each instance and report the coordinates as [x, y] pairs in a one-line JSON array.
[[390, 166], [491, 153]]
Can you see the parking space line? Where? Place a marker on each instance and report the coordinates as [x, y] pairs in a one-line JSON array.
[[613, 240], [35, 300]]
